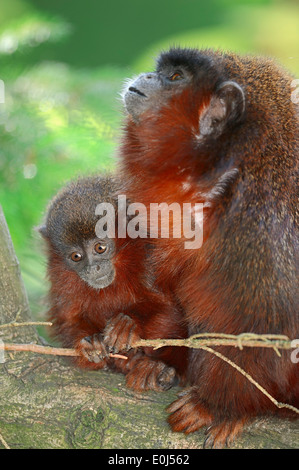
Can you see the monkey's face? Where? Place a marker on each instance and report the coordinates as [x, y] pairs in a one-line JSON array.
[[150, 91], [93, 261], [70, 230], [190, 96], [177, 70]]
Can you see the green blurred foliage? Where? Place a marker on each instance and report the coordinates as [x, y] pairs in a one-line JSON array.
[[119, 31], [261, 30], [63, 64], [56, 124]]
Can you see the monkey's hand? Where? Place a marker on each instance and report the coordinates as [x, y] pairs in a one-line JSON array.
[[149, 374], [93, 349], [120, 334], [143, 373]]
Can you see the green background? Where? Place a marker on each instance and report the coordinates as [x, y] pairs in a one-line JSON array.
[[63, 64]]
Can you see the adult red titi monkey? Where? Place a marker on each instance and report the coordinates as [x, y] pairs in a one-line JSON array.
[[221, 129], [102, 295]]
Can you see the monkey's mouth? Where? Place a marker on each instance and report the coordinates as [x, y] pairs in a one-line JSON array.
[[100, 282], [138, 92]]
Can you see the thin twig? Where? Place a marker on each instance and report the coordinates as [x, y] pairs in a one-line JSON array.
[[243, 372], [36, 348], [41, 349], [250, 340]]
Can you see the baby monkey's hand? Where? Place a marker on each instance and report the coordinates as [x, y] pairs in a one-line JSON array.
[[93, 349], [120, 334]]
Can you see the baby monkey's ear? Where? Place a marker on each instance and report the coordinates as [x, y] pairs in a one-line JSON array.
[[42, 230], [226, 108]]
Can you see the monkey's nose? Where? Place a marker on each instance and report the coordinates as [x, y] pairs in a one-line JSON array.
[[93, 269]]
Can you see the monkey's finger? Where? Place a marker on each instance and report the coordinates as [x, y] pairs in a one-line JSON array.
[[148, 374], [126, 338], [187, 414], [99, 346], [152, 379], [113, 330], [167, 378], [221, 435], [93, 348], [85, 349], [91, 356], [120, 333]]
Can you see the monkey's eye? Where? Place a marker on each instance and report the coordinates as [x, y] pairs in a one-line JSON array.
[[76, 256], [176, 76], [100, 248]]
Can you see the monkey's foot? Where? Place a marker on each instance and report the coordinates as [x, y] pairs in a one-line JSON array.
[[93, 349], [120, 333], [223, 434], [187, 414], [147, 374]]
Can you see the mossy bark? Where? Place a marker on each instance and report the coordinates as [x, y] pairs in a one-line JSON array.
[[45, 402]]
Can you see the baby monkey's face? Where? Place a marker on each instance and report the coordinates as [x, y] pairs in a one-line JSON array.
[[92, 261]]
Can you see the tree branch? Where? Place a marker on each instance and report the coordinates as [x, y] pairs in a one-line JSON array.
[[36, 348], [252, 340]]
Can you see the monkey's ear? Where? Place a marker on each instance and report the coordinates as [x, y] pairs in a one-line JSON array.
[[226, 108], [42, 230]]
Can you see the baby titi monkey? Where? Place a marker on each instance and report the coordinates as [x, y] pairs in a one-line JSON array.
[[102, 295]]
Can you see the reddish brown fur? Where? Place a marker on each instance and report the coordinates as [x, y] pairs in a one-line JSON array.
[[243, 279], [79, 311]]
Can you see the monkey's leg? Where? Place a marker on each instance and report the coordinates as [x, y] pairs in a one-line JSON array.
[[142, 372], [188, 414]]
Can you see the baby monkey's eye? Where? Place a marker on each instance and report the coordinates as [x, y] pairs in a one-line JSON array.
[[176, 76], [100, 247], [76, 256]]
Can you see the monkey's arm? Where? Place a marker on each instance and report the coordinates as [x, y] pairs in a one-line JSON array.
[[74, 330]]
